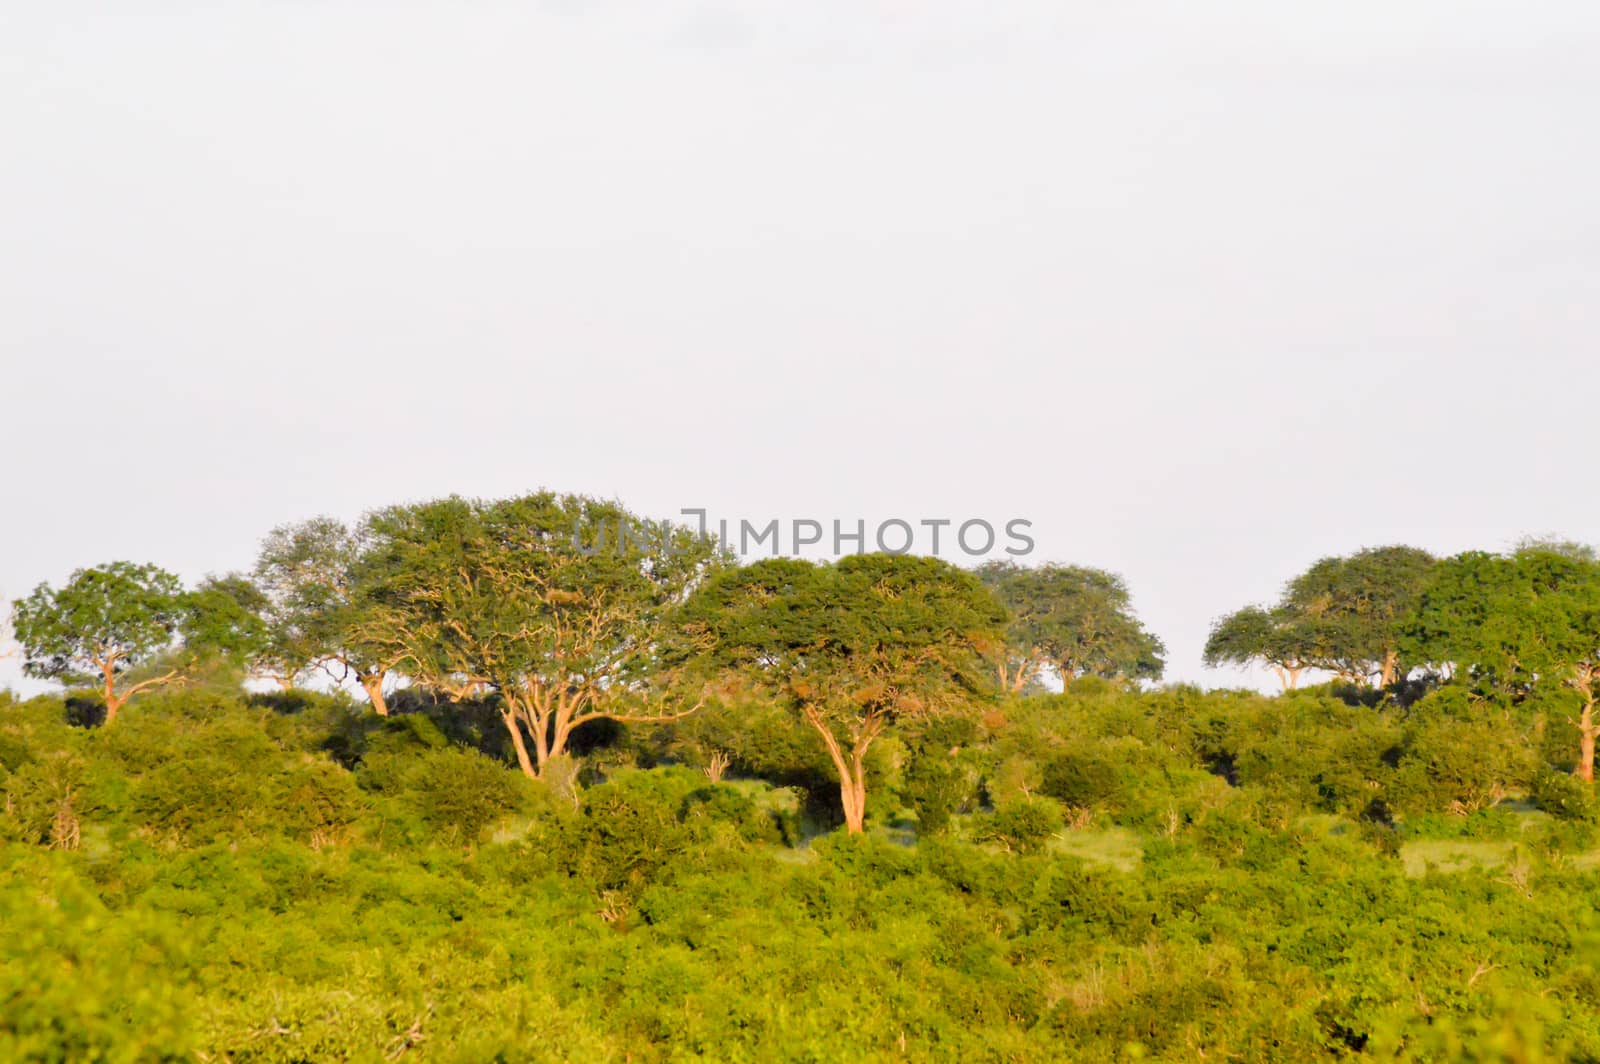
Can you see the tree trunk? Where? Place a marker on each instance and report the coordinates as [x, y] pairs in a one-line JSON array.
[[113, 703], [509, 718], [853, 796], [852, 771], [1064, 671], [1025, 673], [1586, 736], [1390, 663], [372, 684]]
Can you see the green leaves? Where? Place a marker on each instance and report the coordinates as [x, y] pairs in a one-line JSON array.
[[871, 634], [1345, 615], [850, 648], [106, 619], [1512, 620], [1078, 620]]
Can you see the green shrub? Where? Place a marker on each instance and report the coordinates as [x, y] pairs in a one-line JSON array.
[[1080, 780], [1564, 796], [1021, 826]]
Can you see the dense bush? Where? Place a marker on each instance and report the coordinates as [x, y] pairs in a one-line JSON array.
[[1170, 876]]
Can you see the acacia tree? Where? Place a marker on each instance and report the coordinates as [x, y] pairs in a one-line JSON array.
[[1078, 620], [1346, 615], [851, 648], [506, 597], [1519, 621], [318, 579], [223, 618], [1278, 638], [102, 625], [1352, 610]]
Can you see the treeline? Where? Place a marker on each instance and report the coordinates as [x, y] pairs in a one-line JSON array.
[[587, 808], [508, 603], [517, 604], [1517, 627]]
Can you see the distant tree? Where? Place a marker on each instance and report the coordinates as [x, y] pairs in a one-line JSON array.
[[518, 598], [1278, 638], [318, 580], [851, 648], [1518, 621], [224, 618], [101, 625], [1345, 615], [1449, 628], [1352, 610], [1079, 621]]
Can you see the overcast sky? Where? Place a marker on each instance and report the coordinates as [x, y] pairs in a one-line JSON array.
[[1206, 291]]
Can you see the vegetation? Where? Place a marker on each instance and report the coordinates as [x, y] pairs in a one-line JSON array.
[[640, 803]]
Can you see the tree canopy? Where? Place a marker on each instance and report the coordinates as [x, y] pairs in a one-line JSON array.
[[318, 577], [506, 597], [1078, 621], [1514, 621], [1345, 615], [852, 647], [104, 623]]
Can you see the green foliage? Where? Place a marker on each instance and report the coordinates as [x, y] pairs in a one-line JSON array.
[[224, 617], [1457, 755], [1021, 826], [1079, 621], [1109, 873], [1348, 616], [451, 793], [1564, 797], [101, 624], [852, 649], [232, 892], [509, 597]]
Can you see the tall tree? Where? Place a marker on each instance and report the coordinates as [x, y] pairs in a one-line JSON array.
[[522, 598], [1519, 621], [319, 580], [1278, 638], [101, 625], [223, 618], [1344, 615], [1079, 621], [1354, 608], [853, 647]]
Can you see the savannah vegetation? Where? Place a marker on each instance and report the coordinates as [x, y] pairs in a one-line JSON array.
[[447, 786]]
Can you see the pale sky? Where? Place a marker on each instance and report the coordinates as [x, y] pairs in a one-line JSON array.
[[1206, 291]]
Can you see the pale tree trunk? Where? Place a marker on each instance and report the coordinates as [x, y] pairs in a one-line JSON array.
[[851, 767], [856, 820], [372, 684], [1288, 675], [1587, 728], [109, 671], [1391, 661], [524, 762], [1064, 671], [1014, 680], [115, 701], [1586, 734], [553, 715]]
